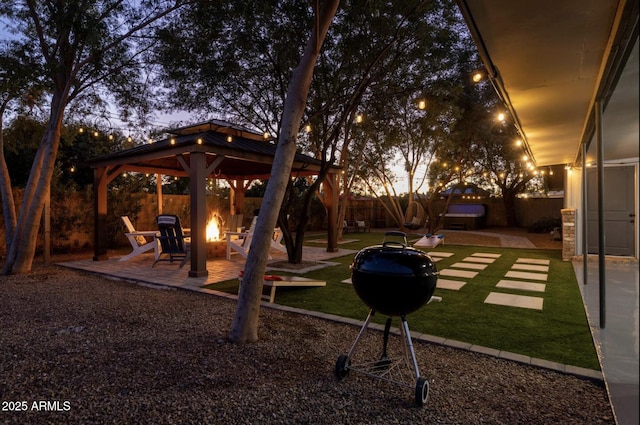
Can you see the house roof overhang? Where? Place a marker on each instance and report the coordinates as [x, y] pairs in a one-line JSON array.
[[551, 61]]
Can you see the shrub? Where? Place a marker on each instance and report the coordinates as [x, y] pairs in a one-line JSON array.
[[545, 225]]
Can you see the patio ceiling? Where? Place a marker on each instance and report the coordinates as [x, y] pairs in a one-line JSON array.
[[551, 60]]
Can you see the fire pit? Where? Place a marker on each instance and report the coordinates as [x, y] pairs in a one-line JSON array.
[[216, 244], [395, 280], [216, 249]]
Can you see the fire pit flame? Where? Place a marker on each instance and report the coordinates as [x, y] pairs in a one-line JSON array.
[[213, 228]]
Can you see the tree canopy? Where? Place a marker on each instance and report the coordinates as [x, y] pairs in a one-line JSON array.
[[87, 53]]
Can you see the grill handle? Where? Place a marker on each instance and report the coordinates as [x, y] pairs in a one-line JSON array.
[[395, 233]]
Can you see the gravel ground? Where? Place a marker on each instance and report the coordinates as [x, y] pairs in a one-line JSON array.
[[80, 349]]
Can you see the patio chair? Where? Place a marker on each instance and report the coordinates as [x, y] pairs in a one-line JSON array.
[[234, 223], [349, 226], [363, 226], [414, 217], [139, 240], [174, 245], [240, 242]]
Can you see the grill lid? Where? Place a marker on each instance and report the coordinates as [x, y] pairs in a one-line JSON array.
[[393, 278]]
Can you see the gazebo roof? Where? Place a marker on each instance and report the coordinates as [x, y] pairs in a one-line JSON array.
[[233, 152]]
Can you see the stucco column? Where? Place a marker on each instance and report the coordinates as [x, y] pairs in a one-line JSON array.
[[568, 233]]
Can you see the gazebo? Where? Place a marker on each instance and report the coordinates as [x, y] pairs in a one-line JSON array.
[[213, 149]]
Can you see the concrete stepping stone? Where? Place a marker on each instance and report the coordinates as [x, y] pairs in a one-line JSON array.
[[479, 260], [458, 273], [530, 267], [526, 275], [522, 301], [453, 285], [473, 266], [533, 261], [523, 286], [485, 254], [440, 254]]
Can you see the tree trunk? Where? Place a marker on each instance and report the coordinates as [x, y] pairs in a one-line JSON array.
[[6, 192], [22, 249], [245, 322], [509, 202]]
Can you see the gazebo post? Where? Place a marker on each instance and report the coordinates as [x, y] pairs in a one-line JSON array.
[[197, 189], [100, 182]]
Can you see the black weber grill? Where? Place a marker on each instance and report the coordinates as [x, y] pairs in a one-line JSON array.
[[395, 280]]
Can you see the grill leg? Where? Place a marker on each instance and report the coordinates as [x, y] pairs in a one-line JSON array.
[[364, 328], [407, 336]]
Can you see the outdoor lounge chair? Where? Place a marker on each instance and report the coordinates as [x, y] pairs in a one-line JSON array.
[[139, 240], [174, 245], [240, 242], [349, 226]]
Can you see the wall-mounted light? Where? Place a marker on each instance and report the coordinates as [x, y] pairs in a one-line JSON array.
[[199, 141], [229, 139], [172, 141]]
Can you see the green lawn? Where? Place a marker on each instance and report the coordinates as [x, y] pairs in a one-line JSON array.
[[558, 333]]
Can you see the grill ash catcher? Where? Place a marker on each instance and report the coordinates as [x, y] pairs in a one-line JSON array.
[[395, 280]]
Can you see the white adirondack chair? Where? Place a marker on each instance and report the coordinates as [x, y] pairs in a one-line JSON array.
[[240, 242], [139, 240]]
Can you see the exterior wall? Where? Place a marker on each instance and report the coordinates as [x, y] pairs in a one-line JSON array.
[[573, 200]]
